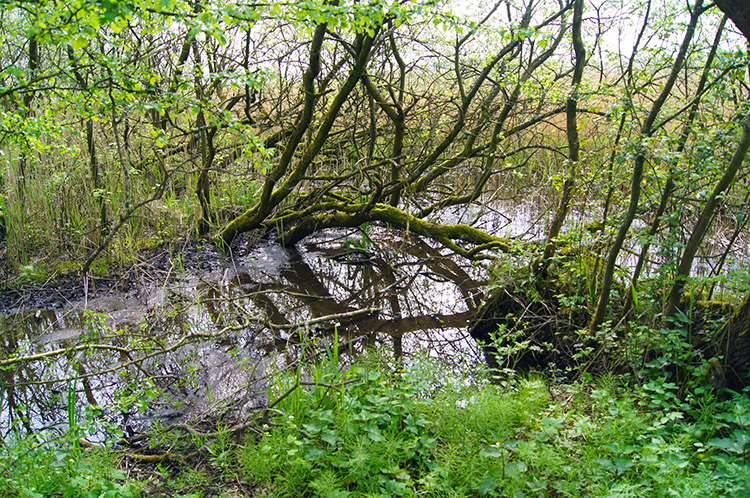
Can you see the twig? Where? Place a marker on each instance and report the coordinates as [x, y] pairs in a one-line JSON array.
[[327, 318]]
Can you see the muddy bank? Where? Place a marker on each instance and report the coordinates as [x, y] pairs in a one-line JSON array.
[[153, 267]]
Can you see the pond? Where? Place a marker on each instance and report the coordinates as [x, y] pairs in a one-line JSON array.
[[205, 330], [190, 334]]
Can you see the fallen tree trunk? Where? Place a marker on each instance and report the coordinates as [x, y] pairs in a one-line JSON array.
[[352, 215]]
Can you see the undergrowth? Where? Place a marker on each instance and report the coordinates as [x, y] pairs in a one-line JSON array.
[[377, 429], [46, 464]]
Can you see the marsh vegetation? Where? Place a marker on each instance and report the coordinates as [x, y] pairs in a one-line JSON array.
[[212, 212]]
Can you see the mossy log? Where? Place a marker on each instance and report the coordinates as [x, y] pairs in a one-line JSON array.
[[397, 218], [344, 214], [442, 233]]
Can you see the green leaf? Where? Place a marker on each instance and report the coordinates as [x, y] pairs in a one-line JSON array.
[[314, 454], [372, 429], [313, 428], [118, 474], [329, 437], [622, 464], [486, 486], [733, 445], [515, 468], [79, 42], [491, 452]]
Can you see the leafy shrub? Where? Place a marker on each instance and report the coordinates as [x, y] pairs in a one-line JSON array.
[[40, 465]]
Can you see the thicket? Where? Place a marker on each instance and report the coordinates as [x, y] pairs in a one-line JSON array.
[[124, 125], [129, 125]]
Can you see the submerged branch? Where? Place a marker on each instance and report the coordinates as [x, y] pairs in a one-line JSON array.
[[183, 341], [328, 318]]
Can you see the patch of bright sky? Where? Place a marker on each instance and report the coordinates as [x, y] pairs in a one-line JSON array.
[[616, 23]]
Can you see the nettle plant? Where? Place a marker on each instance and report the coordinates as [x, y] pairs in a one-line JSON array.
[[364, 434]]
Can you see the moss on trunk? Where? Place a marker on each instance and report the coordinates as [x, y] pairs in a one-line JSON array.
[[351, 215], [734, 345]]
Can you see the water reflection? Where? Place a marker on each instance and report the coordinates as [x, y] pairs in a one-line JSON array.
[[204, 332], [205, 344]]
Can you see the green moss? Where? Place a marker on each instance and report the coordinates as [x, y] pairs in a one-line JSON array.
[[716, 306], [443, 233], [149, 242]]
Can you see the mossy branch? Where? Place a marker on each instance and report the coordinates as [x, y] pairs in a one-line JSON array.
[[353, 215]]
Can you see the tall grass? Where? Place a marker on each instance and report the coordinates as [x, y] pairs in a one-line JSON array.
[[52, 214]]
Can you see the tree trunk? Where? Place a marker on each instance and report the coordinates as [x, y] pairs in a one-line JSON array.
[[640, 160], [202, 187], [96, 176], [272, 194], [739, 12], [704, 221], [574, 143], [669, 185], [27, 99]]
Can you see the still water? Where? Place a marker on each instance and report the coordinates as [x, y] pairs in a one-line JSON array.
[[201, 333], [197, 342]]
